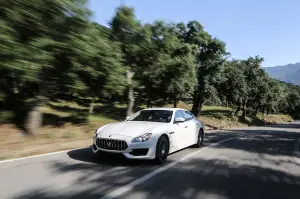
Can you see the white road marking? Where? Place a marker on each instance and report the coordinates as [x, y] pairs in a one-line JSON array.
[[122, 190], [35, 156]]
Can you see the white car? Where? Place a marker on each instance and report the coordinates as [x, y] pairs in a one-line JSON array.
[[150, 134]]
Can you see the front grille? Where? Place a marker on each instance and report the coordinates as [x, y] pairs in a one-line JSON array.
[[116, 145]]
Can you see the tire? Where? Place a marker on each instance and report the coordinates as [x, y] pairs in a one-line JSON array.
[[200, 138], [162, 150]]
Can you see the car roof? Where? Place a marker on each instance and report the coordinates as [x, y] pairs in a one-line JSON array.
[[167, 109]]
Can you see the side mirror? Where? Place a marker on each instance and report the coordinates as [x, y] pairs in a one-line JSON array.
[[127, 118], [179, 120]]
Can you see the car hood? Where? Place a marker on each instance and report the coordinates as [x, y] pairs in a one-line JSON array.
[[130, 129]]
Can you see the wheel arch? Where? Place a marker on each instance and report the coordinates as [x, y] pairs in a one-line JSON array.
[[202, 131], [166, 136]]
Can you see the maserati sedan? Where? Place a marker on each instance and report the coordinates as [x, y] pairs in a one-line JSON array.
[[151, 133]]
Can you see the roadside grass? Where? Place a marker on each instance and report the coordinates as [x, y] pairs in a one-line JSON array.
[[67, 125]]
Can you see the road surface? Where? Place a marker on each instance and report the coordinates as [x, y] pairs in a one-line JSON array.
[[258, 162]]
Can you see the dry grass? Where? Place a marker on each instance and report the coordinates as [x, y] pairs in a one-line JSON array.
[[212, 123], [14, 143], [278, 118], [224, 122]]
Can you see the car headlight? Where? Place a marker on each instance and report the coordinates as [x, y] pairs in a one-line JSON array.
[[142, 138]]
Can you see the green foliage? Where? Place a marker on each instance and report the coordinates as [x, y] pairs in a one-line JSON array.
[[49, 47], [39, 51], [171, 65], [210, 55], [99, 64], [247, 87]]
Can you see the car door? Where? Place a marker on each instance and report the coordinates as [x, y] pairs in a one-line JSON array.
[[178, 133], [190, 128]]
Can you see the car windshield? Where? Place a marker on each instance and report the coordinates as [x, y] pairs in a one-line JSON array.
[[152, 116]]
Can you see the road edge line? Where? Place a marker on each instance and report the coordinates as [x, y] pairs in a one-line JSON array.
[[36, 156]]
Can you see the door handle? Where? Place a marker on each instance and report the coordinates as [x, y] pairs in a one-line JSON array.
[[185, 126], [172, 132]]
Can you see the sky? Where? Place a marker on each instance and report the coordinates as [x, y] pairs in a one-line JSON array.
[[268, 28]]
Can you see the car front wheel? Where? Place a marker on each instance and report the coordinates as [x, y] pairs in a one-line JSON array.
[[200, 138], [162, 150]]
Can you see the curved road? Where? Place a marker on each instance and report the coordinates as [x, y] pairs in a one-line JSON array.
[[258, 162]]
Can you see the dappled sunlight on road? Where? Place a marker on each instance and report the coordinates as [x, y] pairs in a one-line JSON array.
[[254, 165]]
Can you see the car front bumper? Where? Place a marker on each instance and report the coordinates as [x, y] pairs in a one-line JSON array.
[[138, 150]]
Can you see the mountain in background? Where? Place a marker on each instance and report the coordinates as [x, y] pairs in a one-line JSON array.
[[289, 73]]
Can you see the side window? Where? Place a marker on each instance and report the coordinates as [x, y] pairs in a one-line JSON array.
[[178, 114], [193, 116], [187, 115]]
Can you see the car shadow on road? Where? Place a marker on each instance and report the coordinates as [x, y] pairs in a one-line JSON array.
[[108, 159], [275, 142], [287, 125]]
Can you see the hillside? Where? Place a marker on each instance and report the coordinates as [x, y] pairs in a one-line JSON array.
[[288, 73]]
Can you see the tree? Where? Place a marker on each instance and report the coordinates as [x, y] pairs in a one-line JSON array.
[[40, 51], [233, 87], [99, 67], [269, 95], [253, 77], [210, 56], [125, 29], [171, 71], [293, 100]]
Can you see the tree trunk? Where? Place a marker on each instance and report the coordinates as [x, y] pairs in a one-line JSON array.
[[91, 108], [263, 110], [130, 102], [137, 103], [244, 110], [130, 95], [256, 111], [34, 118], [197, 104], [175, 102], [237, 110]]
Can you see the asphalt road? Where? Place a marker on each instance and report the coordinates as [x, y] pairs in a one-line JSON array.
[[254, 163]]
